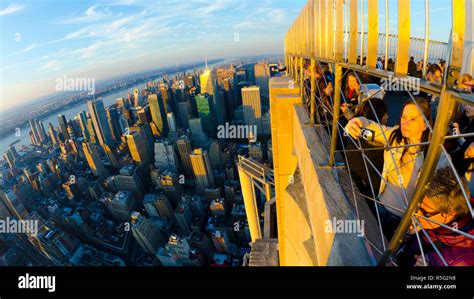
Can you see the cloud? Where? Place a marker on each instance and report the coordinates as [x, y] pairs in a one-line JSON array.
[[53, 65], [91, 15], [12, 8], [27, 49]]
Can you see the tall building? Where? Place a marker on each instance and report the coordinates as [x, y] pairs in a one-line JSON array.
[[114, 123], [100, 122], [184, 149], [172, 187], [252, 107], [147, 233], [127, 180], [40, 130], [144, 115], [83, 124], [91, 130], [229, 97], [158, 114], [171, 121], [215, 155], [209, 86], [93, 159], [63, 127], [52, 134], [184, 216], [136, 97], [262, 77], [13, 203], [219, 207], [221, 241], [166, 97], [204, 113], [146, 132], [165, 156], [179, 249], [158, 205], [120, 205], [35, 136], [184, 110], [11, 156], [137, 144], [199, 138], [202, 168], [256, 151]]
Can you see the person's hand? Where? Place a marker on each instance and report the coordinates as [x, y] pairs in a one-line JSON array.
[[469, 153], [419, 261], [344, 107], [354, 127]]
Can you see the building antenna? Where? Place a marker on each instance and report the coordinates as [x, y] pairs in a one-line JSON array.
[[206, 60]]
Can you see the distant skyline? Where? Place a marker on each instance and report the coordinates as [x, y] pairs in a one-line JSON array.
[[45, 40]]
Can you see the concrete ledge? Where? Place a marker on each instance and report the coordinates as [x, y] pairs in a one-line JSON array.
[[326, 199]]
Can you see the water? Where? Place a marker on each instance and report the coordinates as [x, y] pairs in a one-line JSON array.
[[73, 111], [68, 113]]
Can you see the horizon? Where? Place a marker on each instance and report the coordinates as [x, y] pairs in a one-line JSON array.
[[107, 39]]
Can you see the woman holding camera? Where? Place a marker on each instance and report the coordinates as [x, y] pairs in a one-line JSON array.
[[402, 165]]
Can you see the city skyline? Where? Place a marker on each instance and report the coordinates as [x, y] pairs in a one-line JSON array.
[[105, 39]]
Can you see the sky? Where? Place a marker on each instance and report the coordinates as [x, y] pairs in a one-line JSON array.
[[48, 39]]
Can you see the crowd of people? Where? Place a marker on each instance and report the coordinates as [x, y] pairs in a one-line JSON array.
[[395, 156]]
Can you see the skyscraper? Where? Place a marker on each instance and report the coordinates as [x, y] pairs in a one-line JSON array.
[[165, 156], [184, 148], [120, 205], [262, 77], [198, 136], [136, 97], [83, 124], [128, 180], [158, 205], [93, 159], [158, 115], [171, 121], [204, 112], [113, 120], [52, 134], [99, 120], [147, 233], [202, 168], [63, 126], [230, 102], [184, 110], [209, 86], [252, 107], [137, 145], [184, 216]]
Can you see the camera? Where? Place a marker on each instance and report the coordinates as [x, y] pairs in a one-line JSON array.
[[368, 135]]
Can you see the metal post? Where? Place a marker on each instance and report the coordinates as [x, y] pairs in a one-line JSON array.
[[337, 103], [301, 77], [427, 36], [251, 208], [445, 112], [386, 35], [312, 101]]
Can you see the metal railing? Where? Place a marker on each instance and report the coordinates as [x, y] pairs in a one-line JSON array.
[[326, 34]]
